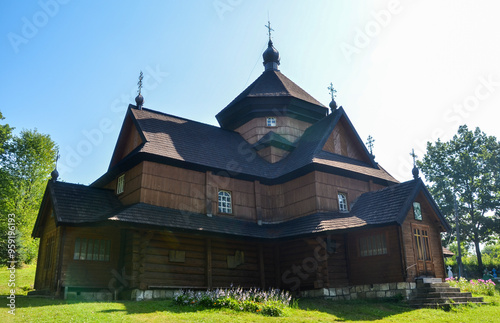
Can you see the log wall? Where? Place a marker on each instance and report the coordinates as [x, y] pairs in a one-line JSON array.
[[48, 254], [384, 268], [204, 262], [89, 273]]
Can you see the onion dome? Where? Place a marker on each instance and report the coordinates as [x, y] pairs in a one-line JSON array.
[[333, 105], [415, 172], [54, 175], [139, 101], [271, 57]]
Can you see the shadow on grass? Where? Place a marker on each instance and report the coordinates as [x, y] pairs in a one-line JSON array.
[[356, 310], [131, 307]]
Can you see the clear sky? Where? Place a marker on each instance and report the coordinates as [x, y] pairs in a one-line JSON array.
[[406, 71]]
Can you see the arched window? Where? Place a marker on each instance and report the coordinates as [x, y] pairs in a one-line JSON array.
[[225, 205], [342, 202]]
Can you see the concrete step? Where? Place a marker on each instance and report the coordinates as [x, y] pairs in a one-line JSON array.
[[428, 280], [438, 290], [431, 305], [439, 300], [441, 294]]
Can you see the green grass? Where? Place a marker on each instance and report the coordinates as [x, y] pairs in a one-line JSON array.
[[29, 309]]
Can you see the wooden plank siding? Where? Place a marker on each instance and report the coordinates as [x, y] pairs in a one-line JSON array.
[[337, 262], [341, 141], [89, 273], [383, 268], [327, 187], [300, 266], [205, 264], [430, 219], [48, 254], [291, 129]]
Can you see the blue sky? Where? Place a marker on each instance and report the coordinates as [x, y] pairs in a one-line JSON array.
[[406, 71]]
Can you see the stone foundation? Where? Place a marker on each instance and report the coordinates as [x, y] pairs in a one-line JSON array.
[[363, 291], [142, 295], [89, 295], [344, 293]]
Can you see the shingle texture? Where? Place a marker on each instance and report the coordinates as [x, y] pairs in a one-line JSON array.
[[213, 147], [76, 204], [273, 83]]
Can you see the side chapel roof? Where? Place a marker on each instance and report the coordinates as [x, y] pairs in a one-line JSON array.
[[182, 142], [75, 204]]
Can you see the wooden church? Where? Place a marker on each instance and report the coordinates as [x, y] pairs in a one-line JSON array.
[[283, 194]]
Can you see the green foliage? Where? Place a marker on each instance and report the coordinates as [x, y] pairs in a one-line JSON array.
[[31, 309], [467, 168], [270, 303], [26, 162], [475, 286]]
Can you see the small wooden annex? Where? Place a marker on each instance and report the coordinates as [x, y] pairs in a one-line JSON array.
[[283, 194]]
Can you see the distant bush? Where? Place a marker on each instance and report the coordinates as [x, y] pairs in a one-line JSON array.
[[269, 303], [476, 286]]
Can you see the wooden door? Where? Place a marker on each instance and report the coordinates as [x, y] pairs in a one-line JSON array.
[[422, 250]]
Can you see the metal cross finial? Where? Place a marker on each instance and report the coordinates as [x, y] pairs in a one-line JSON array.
[[369, 143], [332, 91], [140, 82], [269, 29], [414, 156]]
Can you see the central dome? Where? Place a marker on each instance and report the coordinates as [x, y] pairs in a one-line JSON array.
[[271, 57]]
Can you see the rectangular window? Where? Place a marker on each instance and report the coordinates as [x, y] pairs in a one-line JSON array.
[[225, 203], [342, 202], [422, 244], [92, 249], [120, 184], [372, 245], [271, 122]]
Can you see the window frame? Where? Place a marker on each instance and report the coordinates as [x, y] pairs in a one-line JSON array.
[[120, 184], [92, 249], [368, 244], [224, 209], [346, 207], [274, 122]]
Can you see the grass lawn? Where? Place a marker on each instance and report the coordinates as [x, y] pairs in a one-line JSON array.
[[30, 309]]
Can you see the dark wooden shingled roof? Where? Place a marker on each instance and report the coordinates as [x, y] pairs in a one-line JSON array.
[[273, 83], [174, 140], [78, 204], [392, 203]]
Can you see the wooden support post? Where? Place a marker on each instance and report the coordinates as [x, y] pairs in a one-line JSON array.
[[208, 194], [262, 267], [258, 203], [208, 243], [277, 270]]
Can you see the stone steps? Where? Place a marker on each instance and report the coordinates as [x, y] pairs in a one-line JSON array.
[[434, 294]]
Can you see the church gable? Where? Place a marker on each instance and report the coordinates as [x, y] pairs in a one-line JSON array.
[[344, 140], [129, 139]]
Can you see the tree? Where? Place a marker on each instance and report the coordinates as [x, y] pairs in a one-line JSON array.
[[25, 166], [467, 168]]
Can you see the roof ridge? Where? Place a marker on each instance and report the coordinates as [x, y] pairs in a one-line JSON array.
[[180, 118]]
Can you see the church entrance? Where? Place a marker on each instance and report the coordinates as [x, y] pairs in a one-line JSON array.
[[422, 250]]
